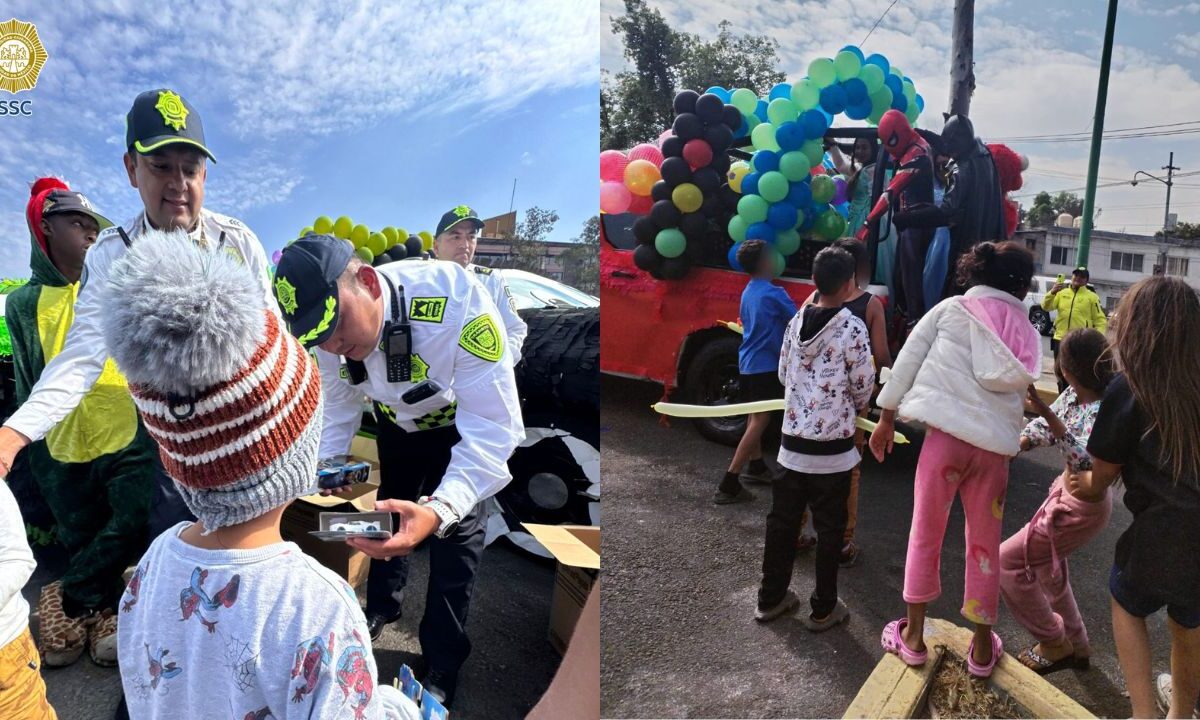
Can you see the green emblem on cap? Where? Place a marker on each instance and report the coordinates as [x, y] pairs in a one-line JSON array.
[[170, 106], [482, 339], [462, 211], [285, 293], [326, 319]]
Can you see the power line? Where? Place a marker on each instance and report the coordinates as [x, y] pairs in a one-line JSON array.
[[881, 17], [1130, 136], [1114, 130]]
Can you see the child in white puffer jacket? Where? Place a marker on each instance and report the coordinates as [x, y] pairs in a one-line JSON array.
[[963, 373]]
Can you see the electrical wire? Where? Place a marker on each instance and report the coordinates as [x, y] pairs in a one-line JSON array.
[[881, 17], [1114, 130]]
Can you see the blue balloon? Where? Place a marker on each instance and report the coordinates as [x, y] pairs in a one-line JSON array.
[[799, 194], [744, 130], [833, 99], [733, 261], [761, 231], [856, 91], [814, 123], [843, 209], [920, 103], [894, 84], [761, 110], [900, 103], [881, 61], [750, 184], [782, 216], [854, 49], [782, 90], [862, 111], [720, 92], [828, 116], [810, 217], [765, 161], [790, 136]]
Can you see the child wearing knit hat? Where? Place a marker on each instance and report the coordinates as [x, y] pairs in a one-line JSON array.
[[222, 617]]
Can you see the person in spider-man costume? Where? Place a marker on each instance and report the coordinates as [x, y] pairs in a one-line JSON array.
[[910, 189]]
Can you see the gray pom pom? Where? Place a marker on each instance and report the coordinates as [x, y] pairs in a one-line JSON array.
[[179, 318]]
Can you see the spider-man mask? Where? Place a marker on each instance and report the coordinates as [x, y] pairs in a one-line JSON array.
[[895, 133]]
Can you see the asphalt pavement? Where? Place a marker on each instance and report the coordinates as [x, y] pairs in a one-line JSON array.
[[511, 664], [681, 575]]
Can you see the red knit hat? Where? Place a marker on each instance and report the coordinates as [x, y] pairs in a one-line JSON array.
[[38, 192]]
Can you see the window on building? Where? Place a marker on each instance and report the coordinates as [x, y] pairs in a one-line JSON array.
[[1062, 256], [1177, 266], [1111, 302], [1129, 262]]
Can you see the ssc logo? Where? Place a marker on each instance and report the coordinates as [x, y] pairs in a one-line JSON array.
[[21, 56]]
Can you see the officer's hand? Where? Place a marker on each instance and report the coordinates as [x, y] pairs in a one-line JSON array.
[[416, 524], [341, 490], [1058, 287], [11, 443]]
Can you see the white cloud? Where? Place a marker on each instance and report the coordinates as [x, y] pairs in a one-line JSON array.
[[1188, 45], [527, 158], [1156, 9]]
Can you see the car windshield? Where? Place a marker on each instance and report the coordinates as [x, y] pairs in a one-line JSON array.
[[535, 292]]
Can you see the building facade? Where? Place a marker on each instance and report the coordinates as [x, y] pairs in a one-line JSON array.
[[1115, 260], [494, 247]]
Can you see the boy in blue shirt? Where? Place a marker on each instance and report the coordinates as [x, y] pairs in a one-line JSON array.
[[765, 312]]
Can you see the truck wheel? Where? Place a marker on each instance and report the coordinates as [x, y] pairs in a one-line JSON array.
[[560, 361], [712, 379], [1041, 321]]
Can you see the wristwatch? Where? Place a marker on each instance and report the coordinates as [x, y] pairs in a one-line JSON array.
[[445, 513]]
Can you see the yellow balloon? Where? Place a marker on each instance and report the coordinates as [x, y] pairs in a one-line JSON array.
[[389, 235], [307, 230], [640, 176], [322, 225], [342, 227], [359, 235], [376, 243], [737, 171], [426, 240], [687, 197], [401, 235]]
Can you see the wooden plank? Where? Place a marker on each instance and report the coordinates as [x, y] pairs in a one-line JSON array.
[[894, 690]]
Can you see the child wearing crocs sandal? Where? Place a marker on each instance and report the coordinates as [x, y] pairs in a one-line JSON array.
[[963, 373]]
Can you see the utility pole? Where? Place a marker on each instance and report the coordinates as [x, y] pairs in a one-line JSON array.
[[1160, 267], [1089, 200], [962, 66], [513, 199]]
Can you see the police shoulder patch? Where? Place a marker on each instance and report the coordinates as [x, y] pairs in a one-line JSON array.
[[483, 270], [483, 339], [427, 309]]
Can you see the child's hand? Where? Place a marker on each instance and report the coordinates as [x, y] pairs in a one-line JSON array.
[[882, 438], [1079, 484]]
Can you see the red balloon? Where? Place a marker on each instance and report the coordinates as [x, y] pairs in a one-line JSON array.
[[646, 151], [612, 165], [817, 170], [640, 205], [698, 153]]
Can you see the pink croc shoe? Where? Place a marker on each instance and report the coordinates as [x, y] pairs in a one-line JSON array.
[[984, 671], [893, 642]]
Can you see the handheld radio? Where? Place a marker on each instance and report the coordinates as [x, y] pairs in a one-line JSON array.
[[397, 337]]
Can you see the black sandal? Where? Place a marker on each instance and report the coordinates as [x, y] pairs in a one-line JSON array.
[[1040, 665]]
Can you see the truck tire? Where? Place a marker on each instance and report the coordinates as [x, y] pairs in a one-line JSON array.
[[711, 378], [560, 362]]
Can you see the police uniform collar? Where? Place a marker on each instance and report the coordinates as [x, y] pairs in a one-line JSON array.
[[197, 235]]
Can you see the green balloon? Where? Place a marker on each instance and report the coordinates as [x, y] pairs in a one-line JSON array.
[[752, 122], [806, 95], [773, 186], [745, 100], [830, 225], [376, 243], [737, 227], [763, 137], [752, 209], [780, 263], [912, 113], [881, 100], [309, 229], [781, 110], [814, 151], [822, 72], [670, 242], [323, 225], [823, 190], [365, 253], [787, 241], [847, 65], [794, 165], [875, 116], [872, 77], [897, 72]]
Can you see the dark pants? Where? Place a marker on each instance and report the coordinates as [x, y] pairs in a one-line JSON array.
[[412, 465], [826, 496], [1062, 383], [911, 249]]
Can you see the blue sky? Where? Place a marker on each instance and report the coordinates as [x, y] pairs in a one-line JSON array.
[[389, 112], [1037, 64]]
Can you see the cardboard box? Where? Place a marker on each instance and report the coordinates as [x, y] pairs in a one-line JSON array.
[[304, 515], [577, 549]]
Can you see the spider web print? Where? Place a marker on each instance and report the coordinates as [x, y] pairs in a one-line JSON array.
[[242, 664]]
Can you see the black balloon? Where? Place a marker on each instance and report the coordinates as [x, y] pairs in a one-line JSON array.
[[672, 147], [685, 102], [665, 214], [413, 246], [688, 126], [380, 259], [645, 230], [719, 137], [647, 258], [713, 206], [397, 253], [660, 191], [730, 197], [720, 163], [709, 108], [732, 117], [693, 225], [675, 171], [675, 268], [707, 179]]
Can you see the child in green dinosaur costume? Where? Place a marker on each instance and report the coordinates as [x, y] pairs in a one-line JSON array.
[[96, 468]]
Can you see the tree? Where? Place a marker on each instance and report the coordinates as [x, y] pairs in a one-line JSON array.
[[528, 249], [1183, 231], [581, 263], [635, 105], [1046, 208]]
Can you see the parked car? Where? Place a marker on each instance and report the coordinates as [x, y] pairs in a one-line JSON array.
[[1041, 319], [530, 291]]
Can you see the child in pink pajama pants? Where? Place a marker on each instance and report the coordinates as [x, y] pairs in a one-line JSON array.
[[963, 373], [1034, 577]]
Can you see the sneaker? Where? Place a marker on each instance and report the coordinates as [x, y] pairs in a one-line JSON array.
[[850, 554], [1162, 687], [61, 639], [837, 616], [789, 603], [805, 543], [721, 497], [102, 639], [441, 685]]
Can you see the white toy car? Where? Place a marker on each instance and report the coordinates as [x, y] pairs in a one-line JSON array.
[[355, 526]]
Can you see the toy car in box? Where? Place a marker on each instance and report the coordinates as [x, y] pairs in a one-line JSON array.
[[340, 526], [340, 471]]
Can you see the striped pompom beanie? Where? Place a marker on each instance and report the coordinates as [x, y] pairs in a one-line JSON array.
[[232, 400]]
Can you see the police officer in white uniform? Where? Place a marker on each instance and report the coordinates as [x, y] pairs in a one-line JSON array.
[[166, 160], [456, 239], [424, 341]]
